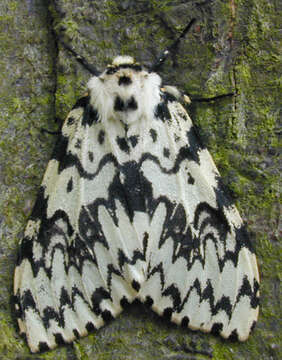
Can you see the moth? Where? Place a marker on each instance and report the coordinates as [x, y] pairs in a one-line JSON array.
[[132, 207]]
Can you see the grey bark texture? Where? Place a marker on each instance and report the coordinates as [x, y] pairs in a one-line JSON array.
[[233, 48]]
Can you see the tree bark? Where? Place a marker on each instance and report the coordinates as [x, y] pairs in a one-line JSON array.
[[228, 64]]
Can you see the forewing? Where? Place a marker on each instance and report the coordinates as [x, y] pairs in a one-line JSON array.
[[202, 271], [69, 277]]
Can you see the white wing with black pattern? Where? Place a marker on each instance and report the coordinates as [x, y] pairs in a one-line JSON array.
[[132, 207]]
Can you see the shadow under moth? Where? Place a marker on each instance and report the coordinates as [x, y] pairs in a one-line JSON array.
[[132, 207]]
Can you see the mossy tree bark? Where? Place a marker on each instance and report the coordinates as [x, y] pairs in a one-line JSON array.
[[232, 49]]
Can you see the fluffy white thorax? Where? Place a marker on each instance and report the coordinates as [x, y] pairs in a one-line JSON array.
[[143, 88]]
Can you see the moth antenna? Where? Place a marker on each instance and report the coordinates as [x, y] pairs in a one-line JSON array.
[[81, 59], [162, 58]]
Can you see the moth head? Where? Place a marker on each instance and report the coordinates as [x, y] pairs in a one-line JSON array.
[[126, 89]]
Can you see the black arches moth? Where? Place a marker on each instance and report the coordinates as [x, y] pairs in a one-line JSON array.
[[131, 207]]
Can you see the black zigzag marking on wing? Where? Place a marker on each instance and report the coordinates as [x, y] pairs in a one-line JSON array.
[[67, 159], [134, 191], [185, 245], [206, 293], [246, 290], [184, 153], [175, 227], [66, 300], [71, 160], [175, 223]]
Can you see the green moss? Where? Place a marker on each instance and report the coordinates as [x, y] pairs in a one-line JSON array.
[[80, 351], [70, 27], [221, 352], [239, 131], [9, 344], [69, 90]]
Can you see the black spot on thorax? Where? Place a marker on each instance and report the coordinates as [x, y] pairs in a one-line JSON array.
[[132, 104], [125, 105], [119, 104], [124, 80]]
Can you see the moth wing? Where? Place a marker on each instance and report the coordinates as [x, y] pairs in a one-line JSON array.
[[202, 272], [68, 280]]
